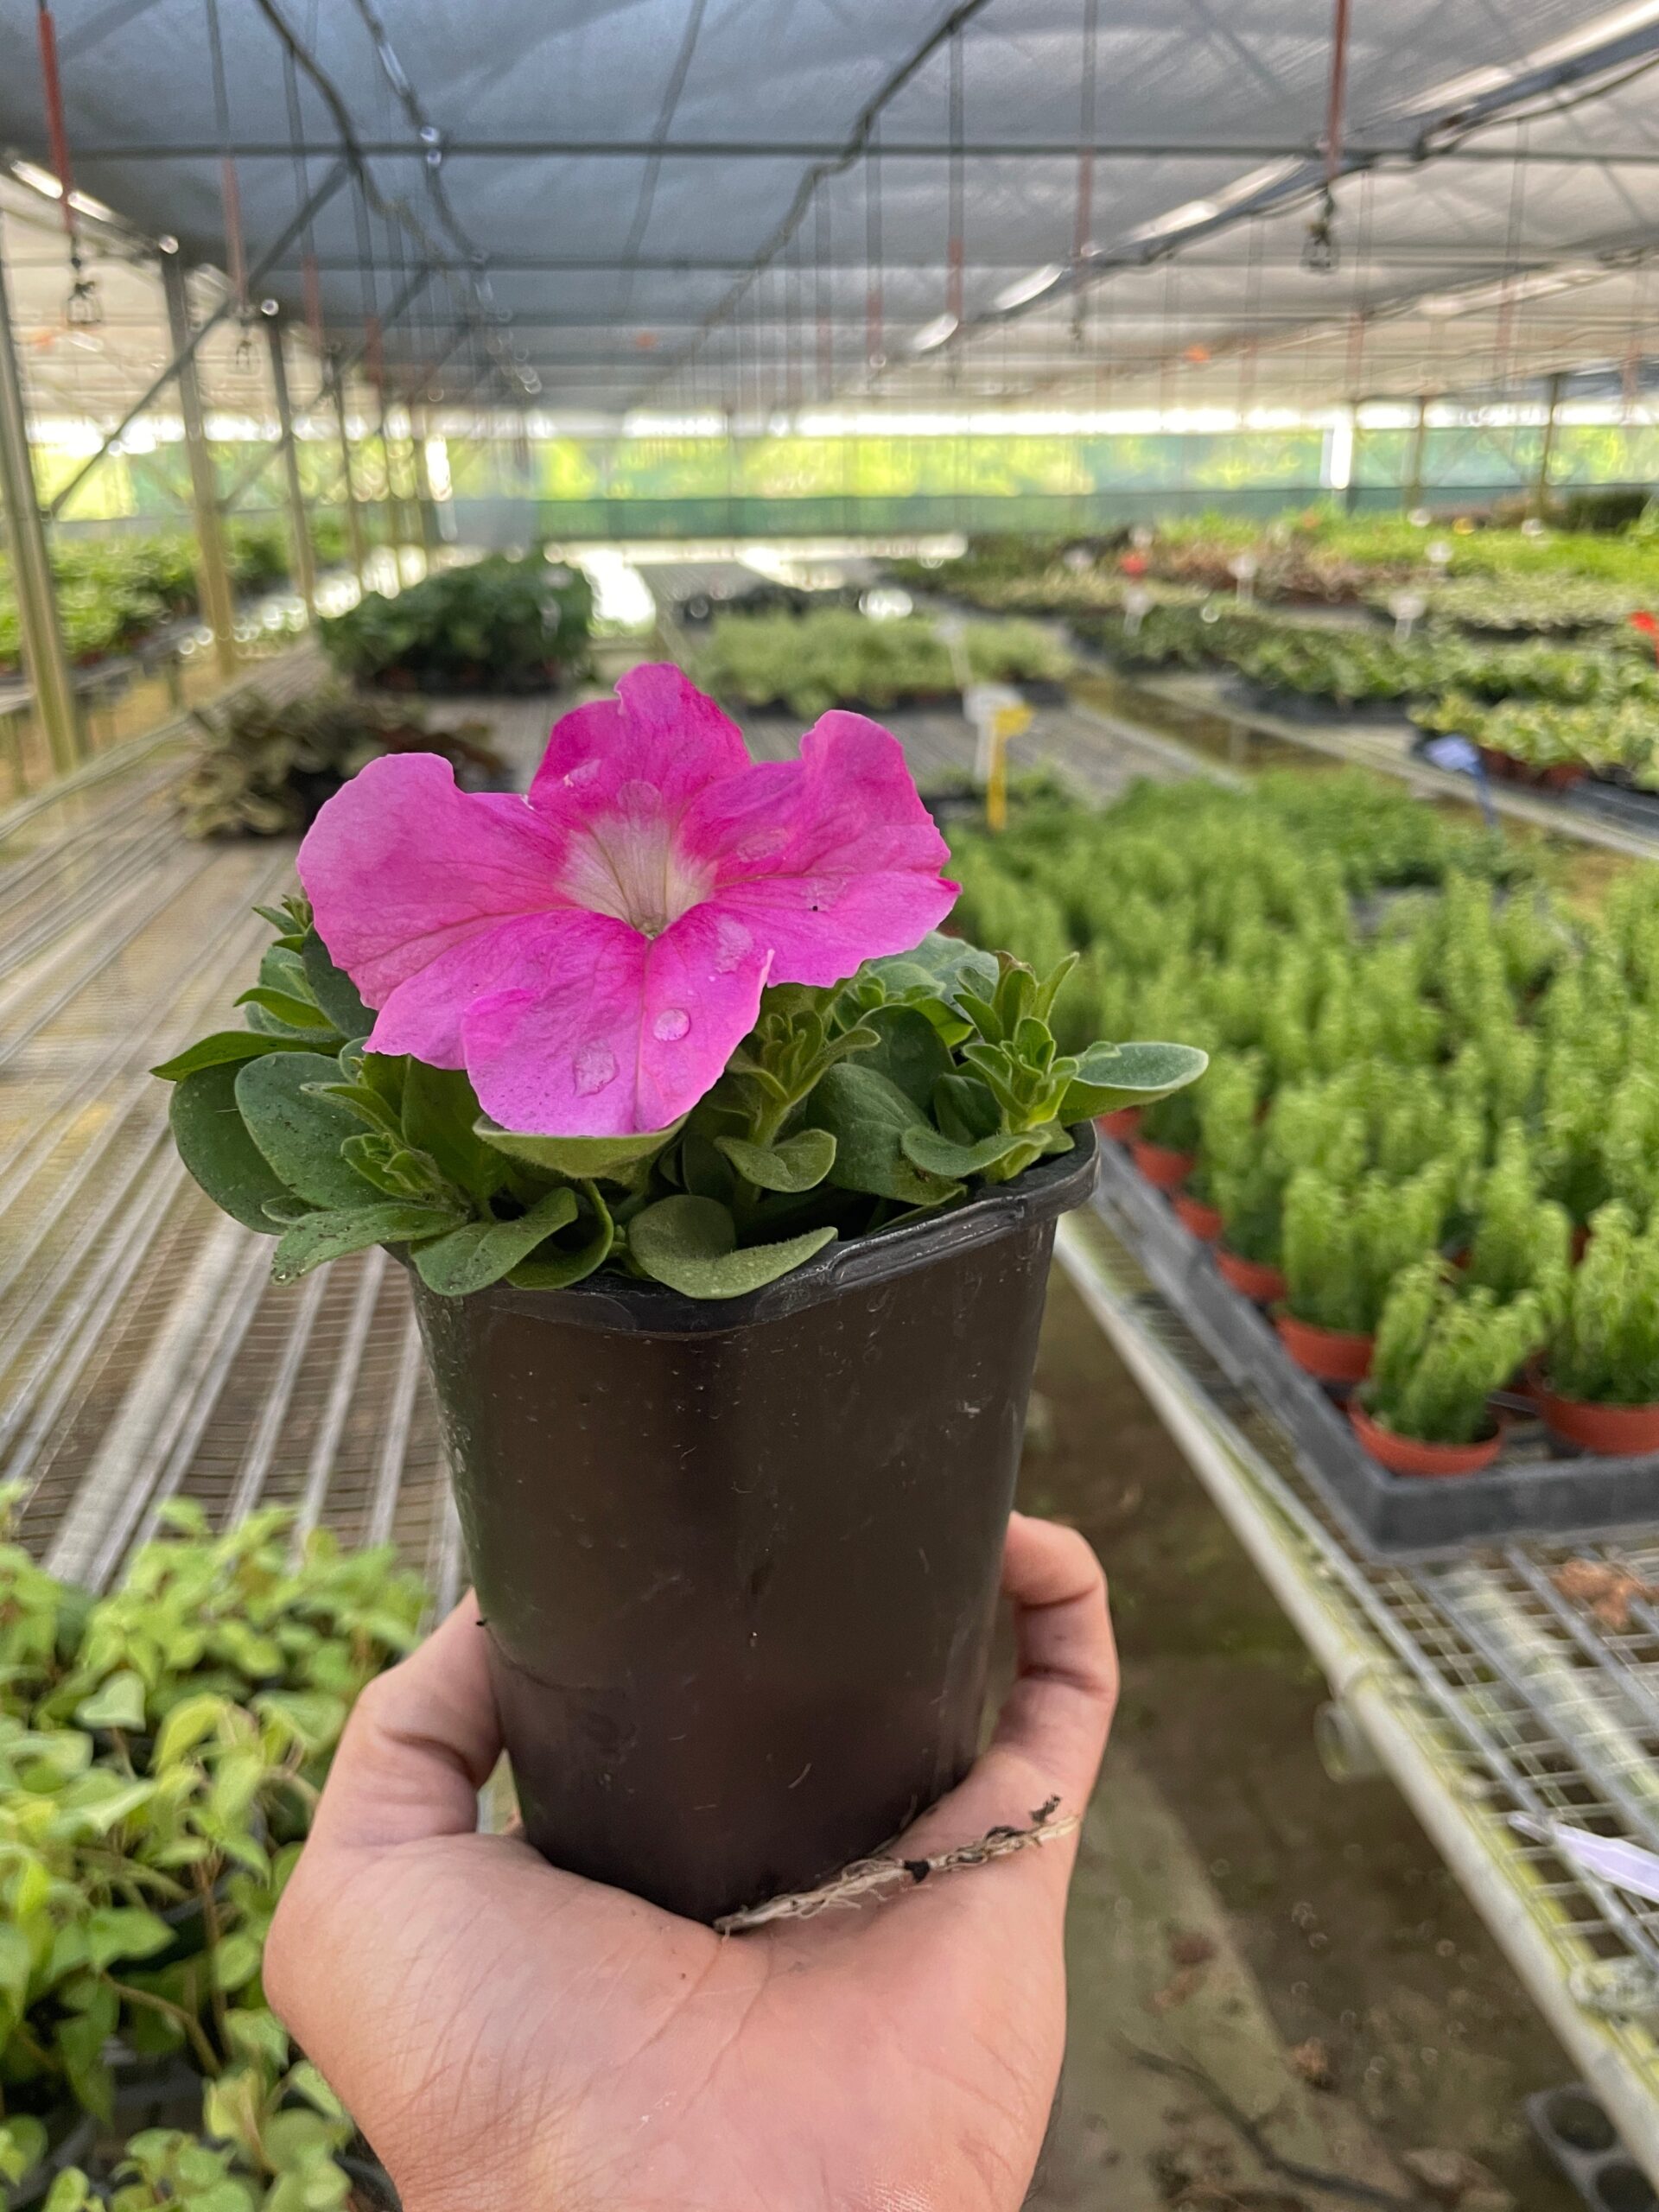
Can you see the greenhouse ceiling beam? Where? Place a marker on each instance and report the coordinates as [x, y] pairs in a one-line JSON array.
[[1359, 155], [332, 388], [1306, 179], [188, 346]]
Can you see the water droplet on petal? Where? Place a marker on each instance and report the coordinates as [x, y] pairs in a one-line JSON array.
[[732, 941], [583, 773], [595, 1066], [671, 1024]]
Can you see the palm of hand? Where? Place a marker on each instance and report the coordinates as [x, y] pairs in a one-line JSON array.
[[513, 2038]]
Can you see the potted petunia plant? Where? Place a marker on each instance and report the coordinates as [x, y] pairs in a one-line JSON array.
[[725, 1186]]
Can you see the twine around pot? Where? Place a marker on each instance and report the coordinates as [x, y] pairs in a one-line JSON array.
[[880, 1876]]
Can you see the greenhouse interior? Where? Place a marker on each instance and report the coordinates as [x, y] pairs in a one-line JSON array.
[[953, 709]]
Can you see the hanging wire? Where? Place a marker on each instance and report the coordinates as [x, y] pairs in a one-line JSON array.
[[1320, 252], [1083, 227], [875, 336], [953, 252], [821, 299], [82, 308], [310, 280], [236, 262]]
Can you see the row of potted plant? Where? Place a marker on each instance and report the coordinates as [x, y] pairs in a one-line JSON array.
[[1318, 555], [262, 766], [835, 657], [505, 623], [1458, 1078], [1541, 742], [114, 592], [161, 1751]]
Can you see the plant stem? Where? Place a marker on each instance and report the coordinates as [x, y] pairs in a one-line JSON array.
[[182, 2018]]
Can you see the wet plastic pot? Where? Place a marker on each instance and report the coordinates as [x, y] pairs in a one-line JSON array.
[[1611, 1432], [739, 1560], [1203, 1221], [1165, 1169], [1328, 1354], [1257, 1280], [1409, 1455]]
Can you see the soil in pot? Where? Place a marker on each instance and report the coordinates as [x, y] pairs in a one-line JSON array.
[[1408, 1455], [1203, 1221], [1257, 1280], [739, 1560], [1610, 1432], [1122, 1125], [1338, 1355], [1165, 1169]]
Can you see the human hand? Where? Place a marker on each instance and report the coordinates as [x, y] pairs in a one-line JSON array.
[[511, 2038]]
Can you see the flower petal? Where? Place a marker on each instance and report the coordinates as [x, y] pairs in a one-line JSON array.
[[402, 868], [659, 732], [621, 1033], [424, 1014], [829, 860]]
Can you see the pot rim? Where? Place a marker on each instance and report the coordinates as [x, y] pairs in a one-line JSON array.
[[616, 1302]]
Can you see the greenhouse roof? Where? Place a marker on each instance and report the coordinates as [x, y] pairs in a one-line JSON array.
[[693, 206]]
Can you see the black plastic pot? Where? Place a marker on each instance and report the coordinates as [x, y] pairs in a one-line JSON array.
[[739, 1560]]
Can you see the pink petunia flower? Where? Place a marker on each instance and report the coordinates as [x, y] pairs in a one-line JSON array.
[[593, 953]]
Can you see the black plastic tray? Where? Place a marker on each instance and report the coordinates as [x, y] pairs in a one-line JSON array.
[[1584, 2143], [1532, 1491]]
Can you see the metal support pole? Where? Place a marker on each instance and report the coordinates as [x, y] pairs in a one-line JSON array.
[[37, 597], [431, 537], [299, 523], [218, 606], [348, 492], [396, 527], [1546, 449], [1412, 485]]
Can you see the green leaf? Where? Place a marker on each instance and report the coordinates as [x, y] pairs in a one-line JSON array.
[[121, 1931], [868, 1116], [235, 1960], [323, 1237], [690, 1244], [215, 1147], [472, 1257], [799, 1163], [190, 1722], [117, 1703], [223, 1046], [294, 1014], [558, 1268], [910, 1052], [1111, 1076], [14, 1966], [299, 1132], [257, 2033], [615, 1160], [334, 989], [940, 964], [926, 1149], [22, 2144], [440, 1109], [965, 1108], [312, 1717]]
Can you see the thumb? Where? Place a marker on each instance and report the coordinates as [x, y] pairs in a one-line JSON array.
[[421, 1742]]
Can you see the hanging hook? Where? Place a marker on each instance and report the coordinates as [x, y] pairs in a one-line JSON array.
[[1320, 252]]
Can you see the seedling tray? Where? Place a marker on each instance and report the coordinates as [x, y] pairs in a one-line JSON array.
[[1532, 1491], [1576, 2132]]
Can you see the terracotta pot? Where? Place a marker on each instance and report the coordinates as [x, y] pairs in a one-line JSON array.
[[1611, 1431], [1164, 1169], [1407, 1455], [1256, 1279], [1203, 1221], [1119, 1126], [1328, 1354]]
